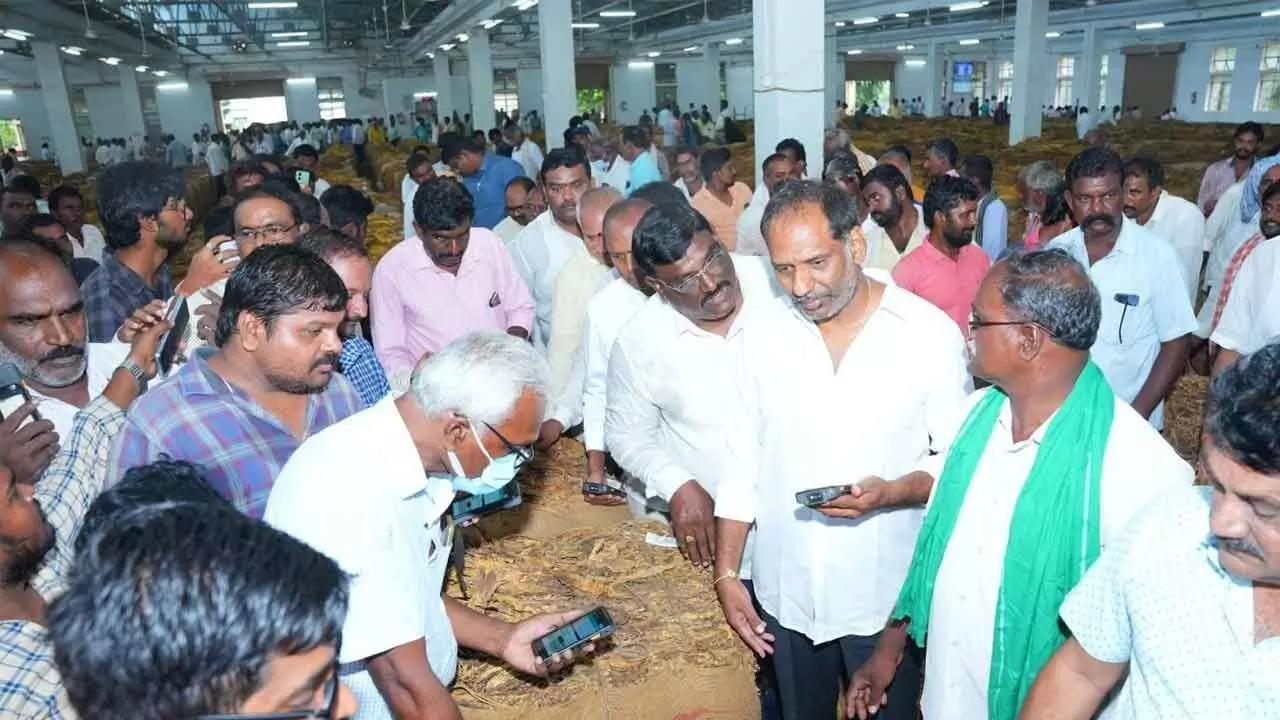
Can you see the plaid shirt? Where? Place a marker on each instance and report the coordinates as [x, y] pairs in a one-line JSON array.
[[30, 686], [197, 416], [362, 368], [114, 291]]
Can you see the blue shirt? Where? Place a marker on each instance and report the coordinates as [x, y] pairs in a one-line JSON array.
[[995, 229], [643, 171], [361, 367], [488, 188]]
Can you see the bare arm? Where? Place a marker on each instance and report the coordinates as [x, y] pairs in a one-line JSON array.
[[1071, 686], [1168, 367], [411, 690]]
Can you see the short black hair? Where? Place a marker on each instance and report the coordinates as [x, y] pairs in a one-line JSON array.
[[795, 146], [1145, 166], [661, 193], [945, 194], [451, 150], [840, 210], [891, 178], [241, 169], [60, 193], [978, 169], [219, 220], [636, 135], [442, 203], [902, 150], [1094, 163], [1250, 128], [776, 157], [305, 150], [688, 150], [131, 191], [24, 184], [712, 160], [1056, 208], [276, 280], [841, 166], [944, 147], [163, 481], [1272, 190], [664, 234], [175, 610], [332, 244], [309, 210], [1243, 414], [524, 182], [416, 160], [346, 205], [273, 191], [569, 156], [1051, 289]]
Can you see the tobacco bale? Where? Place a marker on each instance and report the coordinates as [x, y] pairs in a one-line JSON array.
[[1184, 416]]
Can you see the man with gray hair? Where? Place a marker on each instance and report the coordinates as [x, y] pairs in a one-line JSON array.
[[1037, 182], [1037, 473], [467, 424], [838, 139]]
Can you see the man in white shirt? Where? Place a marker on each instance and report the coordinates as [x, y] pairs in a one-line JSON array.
[[524, 202], [775, 169], [898, 225], [418, 170], [526, 152], [467, 423], [1251, 316], [308, 158], [619, 171], [1146, 318], [845, 341], [690, 180], [1187, 603], [1046, 428], [1177, 221], [1236, 229], [216, 158], [543, 247], [669, 383], [66, 204]]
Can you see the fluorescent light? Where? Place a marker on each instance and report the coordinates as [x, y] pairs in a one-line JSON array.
[[733, 41], [448, 46], [692, 48], [18, 35], [160, 73], [840, 23], [866, 21], [1053, 34], [1270, 13], [300, 81], [524, 4], [584, 26], [110, 60], [425, 95], [6, 92], [491, 23], [299, 33], [915, 63], [902, 48], [462, 37], [72, 50], [654, 53], [961, 7], [639, 64], [854, 52], [1148, 26], [902, 15], [140, 68], [618, 14], [430, 55], [970, 41], [170, 86], [272, 5], [293, 43]]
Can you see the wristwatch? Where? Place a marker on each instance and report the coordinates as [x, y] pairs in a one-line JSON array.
[[139, 375]]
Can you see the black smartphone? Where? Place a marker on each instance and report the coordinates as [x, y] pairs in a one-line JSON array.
[[821, 496], [179, 316], [608, 487], [13, 394], [473, 506], [595, 625]]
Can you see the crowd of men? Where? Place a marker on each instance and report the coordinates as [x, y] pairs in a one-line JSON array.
[[263, 527]]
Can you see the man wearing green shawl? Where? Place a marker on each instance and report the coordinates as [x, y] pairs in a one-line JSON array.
[[1046, 467]]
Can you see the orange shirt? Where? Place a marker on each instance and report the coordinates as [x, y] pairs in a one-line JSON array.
[[723, 218], [950, 285]]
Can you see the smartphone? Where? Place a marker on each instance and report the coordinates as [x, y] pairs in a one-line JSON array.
[[821, 496], [608, 487], [473, 506], [179, 316], [13, 394], [304, 177], [595, 625], [229, 246]]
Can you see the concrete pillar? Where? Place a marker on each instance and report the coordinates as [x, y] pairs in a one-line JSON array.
[[132, 101], [559, 81], [1086, 72], [480, 74], [833, 75], [444, 85], [57, 105], [1029, 69], [789, 76], [934, 71], [711, 82]]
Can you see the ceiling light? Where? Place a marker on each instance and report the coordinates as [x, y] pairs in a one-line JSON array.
[[584, 26], [961, 7], [72, 50], [915, 63], [293, 43], [448, 46], [618, 13], [902, 15], [6, 92], [1053, 34], [299, 33], [1148, 26], [462, 37], [140, 68], [903, 48], [639, 64], [854, 52], [733, 41], [866, 21], [160, 73], [430, 55], [18, 35], [300, 81], [971, 41], [692, 48], [839, 23], [524, 4], [110, 60], [491, 23], [1270, 13], [272, 5], [172, 86], [653, 53]]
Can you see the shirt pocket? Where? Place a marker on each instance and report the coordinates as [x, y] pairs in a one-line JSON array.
[[1128, 318]]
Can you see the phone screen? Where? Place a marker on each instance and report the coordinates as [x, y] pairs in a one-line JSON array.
[[173, 339], [593, 625]]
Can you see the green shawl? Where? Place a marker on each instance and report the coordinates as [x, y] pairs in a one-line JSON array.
[[1053, 538]]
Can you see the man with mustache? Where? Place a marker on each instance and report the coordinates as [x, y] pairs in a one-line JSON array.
[[1230, 170], [1187, 603], [1147, 320], [518, 209], [947, 269], [1245, 318], [240, 410], [448, 280], [899, 226], [1177, 221]]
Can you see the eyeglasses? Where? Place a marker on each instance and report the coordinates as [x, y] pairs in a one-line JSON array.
[[523, 453], [327, 711], [976, 323], [272, 232], [689, 282]]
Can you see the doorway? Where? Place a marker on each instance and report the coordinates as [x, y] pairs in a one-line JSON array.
[[1149, 82]]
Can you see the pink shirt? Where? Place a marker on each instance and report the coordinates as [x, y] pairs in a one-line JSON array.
[[949, 285], [417, 308]]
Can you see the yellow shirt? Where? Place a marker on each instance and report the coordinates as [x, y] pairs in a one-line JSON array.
[[578, 281], [723, 218], [882, 254], [377, 135]]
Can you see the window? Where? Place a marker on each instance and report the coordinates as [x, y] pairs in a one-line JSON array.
[[1104, 70], [1221, 65], [664, 83], [1065, 74], [333, 101], [1268, 96], [506, 92], [1004, 84]]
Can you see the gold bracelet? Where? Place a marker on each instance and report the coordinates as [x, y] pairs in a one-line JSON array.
[[728, 575]]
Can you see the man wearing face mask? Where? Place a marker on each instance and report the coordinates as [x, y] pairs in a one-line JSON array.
[[468, 423], [947, 269]]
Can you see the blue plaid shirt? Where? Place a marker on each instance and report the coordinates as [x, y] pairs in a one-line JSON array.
[[362, 368], [114, 291]]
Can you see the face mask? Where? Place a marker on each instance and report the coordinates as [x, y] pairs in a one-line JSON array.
[[497, 474]]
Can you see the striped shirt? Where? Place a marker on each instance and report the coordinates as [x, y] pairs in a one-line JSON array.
[[360, 365]]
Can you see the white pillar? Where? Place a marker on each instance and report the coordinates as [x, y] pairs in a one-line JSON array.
[[933, 84], [1028, 69], [132, 101], [1087, 71], [559, 82], [711, 66], [834, 75], [789, 76], [480, 74], [444, 86], [57, 105]]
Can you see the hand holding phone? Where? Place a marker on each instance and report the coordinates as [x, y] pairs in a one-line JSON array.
[[818, 497], [574, 636], [13, 394], [470, 508]]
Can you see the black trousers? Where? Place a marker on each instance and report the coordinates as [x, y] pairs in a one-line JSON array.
[[809, 678]]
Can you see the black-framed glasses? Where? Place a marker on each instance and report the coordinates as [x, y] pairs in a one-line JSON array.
[[274, 232], [327, 711], [976, 323], [523, 453], [714, 255]]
